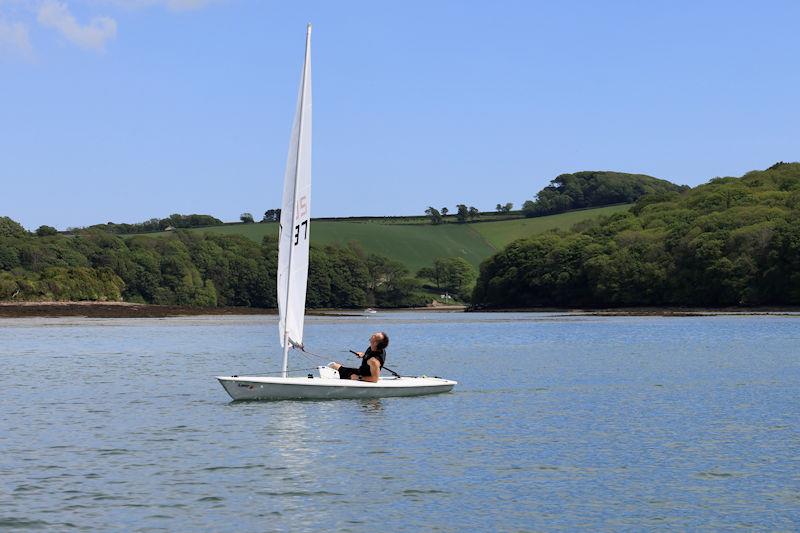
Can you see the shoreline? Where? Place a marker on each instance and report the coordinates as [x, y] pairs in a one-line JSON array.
[[136, 310], [117, 310], [649, 311]]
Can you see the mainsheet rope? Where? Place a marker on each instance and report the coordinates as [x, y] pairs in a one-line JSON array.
[[307, 354], [290, 370]]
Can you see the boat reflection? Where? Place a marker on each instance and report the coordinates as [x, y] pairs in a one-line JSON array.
[[371, 405]]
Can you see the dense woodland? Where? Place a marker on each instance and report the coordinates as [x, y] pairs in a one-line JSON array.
[[188, 269], [594, 189], [732, 241]]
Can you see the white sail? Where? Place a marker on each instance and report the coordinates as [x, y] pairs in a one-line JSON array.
[[296, 219], [292, 281]]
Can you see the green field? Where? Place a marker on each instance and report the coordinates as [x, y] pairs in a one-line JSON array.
[[417, 245], [500, 234]]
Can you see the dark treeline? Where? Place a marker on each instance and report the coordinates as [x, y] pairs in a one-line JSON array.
[[174, 221], [594, 189], [732, 241], [189, 269]]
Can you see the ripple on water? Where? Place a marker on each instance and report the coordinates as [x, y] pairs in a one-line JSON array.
[[242, 467], [621, 423], [28, 488], [112, 451], [17, 522], [715, 474]]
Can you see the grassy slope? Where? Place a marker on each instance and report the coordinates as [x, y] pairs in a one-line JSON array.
[[417, 246], [413, 245], [500, 234]]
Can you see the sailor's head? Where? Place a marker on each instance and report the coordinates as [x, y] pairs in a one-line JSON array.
[[379, 340]]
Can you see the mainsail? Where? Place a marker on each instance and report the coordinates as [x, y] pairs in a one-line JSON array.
[[292, 281], [296, 219]]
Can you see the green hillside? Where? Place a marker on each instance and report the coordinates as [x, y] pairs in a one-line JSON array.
[[417, 245], [413, 245], [729, 242], [234, 265], [501, 234]]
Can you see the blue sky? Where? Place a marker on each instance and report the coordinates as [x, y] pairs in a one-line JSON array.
[[123, 110]]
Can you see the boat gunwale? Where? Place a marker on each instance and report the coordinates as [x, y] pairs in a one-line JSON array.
[[388, 383]]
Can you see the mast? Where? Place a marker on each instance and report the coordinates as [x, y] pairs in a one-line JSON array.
[[293, 250]]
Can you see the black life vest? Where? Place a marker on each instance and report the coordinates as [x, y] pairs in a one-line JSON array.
[[364, 369]]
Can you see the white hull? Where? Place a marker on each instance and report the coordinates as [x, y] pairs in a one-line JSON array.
[[276, 388], [293, 254]]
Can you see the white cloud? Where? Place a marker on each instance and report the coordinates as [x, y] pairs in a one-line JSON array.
[[56, 15], [14, 38]]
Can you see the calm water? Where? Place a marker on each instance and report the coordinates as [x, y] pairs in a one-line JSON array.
[[559, 422]]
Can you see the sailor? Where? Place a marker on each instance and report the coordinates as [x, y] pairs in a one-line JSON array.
[[372, 360]]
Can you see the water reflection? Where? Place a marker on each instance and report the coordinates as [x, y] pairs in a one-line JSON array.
[[371, 405], [292, 424]]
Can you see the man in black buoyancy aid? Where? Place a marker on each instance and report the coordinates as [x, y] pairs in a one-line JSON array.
[[372, 363]]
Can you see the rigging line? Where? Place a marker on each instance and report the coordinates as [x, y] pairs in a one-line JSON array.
[[290, 370], [306, 352], [308, 358], [392, 371], [302, 349]]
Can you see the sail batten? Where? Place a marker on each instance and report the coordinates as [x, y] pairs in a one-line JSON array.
[[293, 246]]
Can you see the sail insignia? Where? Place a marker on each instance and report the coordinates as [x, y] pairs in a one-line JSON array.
[[293, 243]]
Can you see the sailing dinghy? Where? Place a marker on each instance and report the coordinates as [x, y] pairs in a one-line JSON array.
[[293, 250]]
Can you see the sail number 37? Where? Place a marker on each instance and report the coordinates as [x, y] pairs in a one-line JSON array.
[[302, 212], [303, 224]]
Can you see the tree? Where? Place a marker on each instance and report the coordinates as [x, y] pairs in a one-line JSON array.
[[9, 256], [595, 189], [433, 213], [247, 218], [463, 213], [732, 241], [11, 228], [44, 231], [271, 215], [445, 211], [401, 294], [459, 275], [432, 274], [473, 212], [390, 284], [188, 268], [175, 220], [452, 274], [384, 272]]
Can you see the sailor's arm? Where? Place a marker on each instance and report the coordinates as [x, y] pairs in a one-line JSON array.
[[375, 371]]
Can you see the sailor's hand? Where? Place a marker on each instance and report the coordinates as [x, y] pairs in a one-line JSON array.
[[359, 354]]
